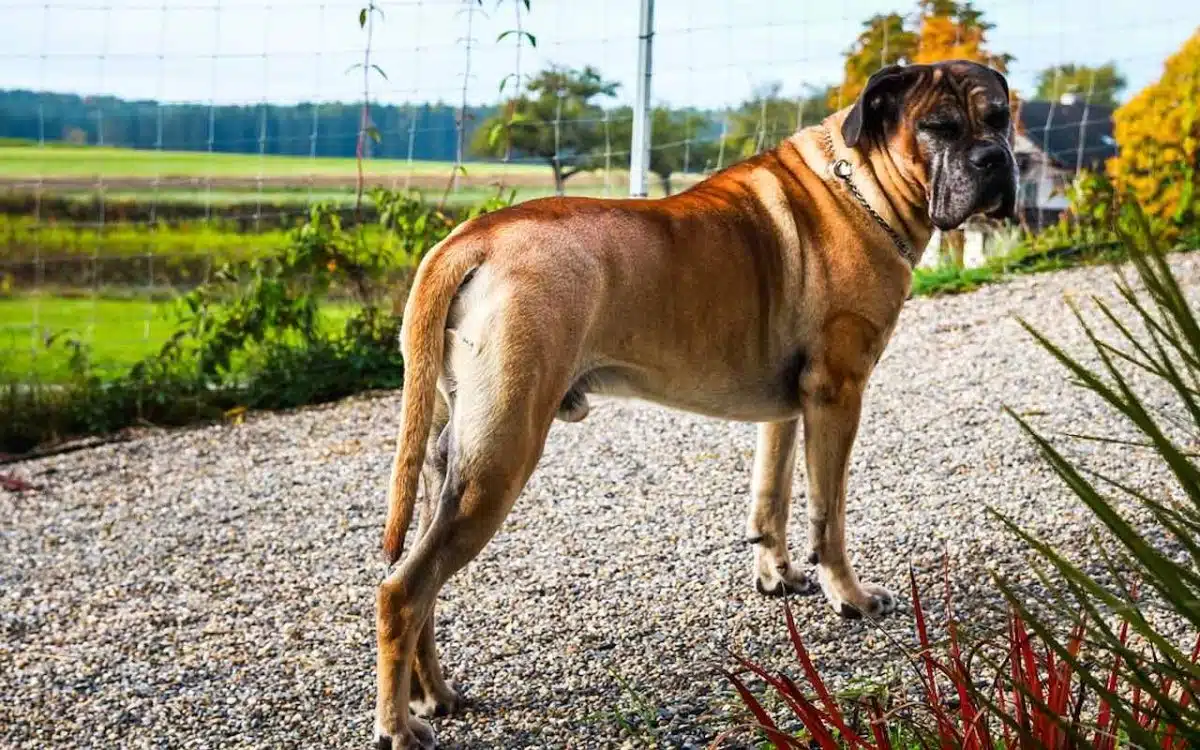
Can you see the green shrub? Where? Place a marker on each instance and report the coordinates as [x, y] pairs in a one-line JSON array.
[[154, 391], [253, 336], [364, 356], [1096, 221]]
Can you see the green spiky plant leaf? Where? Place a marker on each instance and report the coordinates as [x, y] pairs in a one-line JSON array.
[[1147, 372]]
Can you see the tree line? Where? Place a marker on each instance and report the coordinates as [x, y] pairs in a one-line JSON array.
[[324, 129]]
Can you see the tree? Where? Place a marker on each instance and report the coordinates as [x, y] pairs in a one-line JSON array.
[[680, 141], [767, 117], [1099, 84], [556, 120], [678, 144], [955, 31], [940, 30], [1158, 131], [884, 40]]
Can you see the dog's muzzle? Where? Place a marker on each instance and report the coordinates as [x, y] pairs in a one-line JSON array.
[[997, 171]]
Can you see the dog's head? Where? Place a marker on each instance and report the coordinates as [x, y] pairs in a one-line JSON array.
[[949, 124]]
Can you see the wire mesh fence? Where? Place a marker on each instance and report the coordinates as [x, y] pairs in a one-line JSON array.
[[145, 143]]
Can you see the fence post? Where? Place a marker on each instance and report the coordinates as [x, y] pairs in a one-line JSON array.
[[639, 151]]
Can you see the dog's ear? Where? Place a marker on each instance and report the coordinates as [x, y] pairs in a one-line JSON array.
[[999, 77], [879, 102]]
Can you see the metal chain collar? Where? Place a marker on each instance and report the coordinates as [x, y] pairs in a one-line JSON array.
[[844, 170]]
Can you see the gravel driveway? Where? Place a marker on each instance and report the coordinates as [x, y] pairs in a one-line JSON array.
[[214, 587]]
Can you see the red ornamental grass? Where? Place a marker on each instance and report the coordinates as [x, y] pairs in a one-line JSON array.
[[1040, 707]]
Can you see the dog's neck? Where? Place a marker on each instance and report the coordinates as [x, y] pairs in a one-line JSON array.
[[892, 190]]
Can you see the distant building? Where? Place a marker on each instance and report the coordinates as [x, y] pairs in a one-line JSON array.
[[1054, 141]]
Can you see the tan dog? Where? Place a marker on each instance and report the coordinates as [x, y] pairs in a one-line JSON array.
[[765, 293]]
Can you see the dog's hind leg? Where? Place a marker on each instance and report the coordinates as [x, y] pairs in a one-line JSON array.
[[774, 463], [430, 695], [497, 433]]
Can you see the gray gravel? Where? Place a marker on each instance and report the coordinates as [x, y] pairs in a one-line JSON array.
[[214, 587]]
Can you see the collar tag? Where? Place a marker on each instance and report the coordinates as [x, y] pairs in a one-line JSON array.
[[844, 170]]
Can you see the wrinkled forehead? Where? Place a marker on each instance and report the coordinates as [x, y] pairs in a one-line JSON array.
[[965, 87]]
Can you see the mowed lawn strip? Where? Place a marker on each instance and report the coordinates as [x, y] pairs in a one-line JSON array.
[[24, 237], [117, 332], [31, 162]]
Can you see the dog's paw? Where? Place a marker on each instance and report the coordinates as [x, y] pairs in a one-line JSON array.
[[783, 582], [429, 707], [868, 599], [418, 735]]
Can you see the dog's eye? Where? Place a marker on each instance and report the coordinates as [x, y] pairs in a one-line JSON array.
[[997, 119], [941, 128]]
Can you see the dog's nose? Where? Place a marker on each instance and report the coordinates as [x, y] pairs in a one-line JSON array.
[[986, 156]]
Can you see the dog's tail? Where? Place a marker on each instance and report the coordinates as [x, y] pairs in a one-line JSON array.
[[423, 342]]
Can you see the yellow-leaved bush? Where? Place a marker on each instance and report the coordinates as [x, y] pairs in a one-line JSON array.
[[1158, 132]]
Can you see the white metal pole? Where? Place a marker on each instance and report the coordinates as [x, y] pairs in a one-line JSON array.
[[639, 157]]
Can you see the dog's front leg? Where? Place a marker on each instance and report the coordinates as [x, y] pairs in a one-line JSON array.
[[831, 414], [774, 462]]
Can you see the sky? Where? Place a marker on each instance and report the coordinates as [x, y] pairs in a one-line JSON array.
[[707, 53]]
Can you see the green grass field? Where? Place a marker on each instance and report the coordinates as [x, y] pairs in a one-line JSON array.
[[118, 332], [31, 162]]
